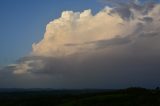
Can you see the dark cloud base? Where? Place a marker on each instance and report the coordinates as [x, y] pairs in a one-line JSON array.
[[120, 62]]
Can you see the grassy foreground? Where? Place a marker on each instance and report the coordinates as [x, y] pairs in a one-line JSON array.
[[127, 97]]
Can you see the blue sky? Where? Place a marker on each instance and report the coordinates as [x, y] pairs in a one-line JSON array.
[[104, 61], [23, 22]]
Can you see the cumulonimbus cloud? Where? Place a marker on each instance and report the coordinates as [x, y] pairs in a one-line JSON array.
[[118, 46]]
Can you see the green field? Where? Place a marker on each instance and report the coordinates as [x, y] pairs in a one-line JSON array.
[[127, 97]]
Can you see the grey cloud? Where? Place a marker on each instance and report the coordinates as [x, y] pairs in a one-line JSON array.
[[126, 64], [73, 44], [112, 42], [147, 19], [124, 12], [117, 41], [104, 43], [125, 9], [130, 64], [132, 60], [149, 34]]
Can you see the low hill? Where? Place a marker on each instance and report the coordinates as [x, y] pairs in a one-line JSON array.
[[41, 97]]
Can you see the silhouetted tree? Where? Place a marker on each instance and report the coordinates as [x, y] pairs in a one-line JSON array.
[[157, 88]]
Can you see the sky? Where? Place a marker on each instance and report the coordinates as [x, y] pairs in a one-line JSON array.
[[31, 18], [79, 44]]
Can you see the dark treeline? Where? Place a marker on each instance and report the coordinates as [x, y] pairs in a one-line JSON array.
[[133, 96]]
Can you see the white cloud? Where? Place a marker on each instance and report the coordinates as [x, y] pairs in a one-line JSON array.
[[78, 28], [85, 34], [75, 27], [116, 45]]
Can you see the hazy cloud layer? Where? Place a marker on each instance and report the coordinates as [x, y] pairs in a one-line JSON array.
[[117, 47]]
